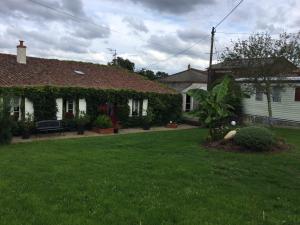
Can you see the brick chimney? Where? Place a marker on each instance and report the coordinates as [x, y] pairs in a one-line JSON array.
[[21, 53], [189, 66]]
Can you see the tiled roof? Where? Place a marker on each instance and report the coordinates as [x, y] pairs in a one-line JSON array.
[[191, 76], [252, 63], [53, 72]]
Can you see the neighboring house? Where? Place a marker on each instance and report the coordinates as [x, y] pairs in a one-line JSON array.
[[185, 81], [285, 102], [21, 72], [285, 94]]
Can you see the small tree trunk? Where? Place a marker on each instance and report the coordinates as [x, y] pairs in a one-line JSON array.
[[270, 113]]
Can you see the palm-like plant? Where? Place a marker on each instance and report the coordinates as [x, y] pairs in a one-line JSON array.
[[213, 108]]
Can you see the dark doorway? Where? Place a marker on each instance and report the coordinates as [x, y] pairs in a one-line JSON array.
[[188, 103]]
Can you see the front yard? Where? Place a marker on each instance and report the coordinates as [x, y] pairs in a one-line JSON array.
[[147, 179]]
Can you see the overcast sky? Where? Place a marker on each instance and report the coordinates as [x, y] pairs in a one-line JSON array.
[[148, 32]]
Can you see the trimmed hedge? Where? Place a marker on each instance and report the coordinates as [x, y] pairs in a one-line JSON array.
[[255, 138]]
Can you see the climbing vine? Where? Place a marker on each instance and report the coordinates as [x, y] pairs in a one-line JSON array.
[[166, 107]]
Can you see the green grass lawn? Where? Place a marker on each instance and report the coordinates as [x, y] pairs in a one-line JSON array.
[[147, 179]]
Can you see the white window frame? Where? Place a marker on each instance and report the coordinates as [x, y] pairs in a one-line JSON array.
[[136, 104], [68, 109], [15, 106]]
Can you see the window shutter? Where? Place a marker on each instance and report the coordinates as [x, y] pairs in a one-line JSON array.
[[74, 108], [28, 108], [145, 107], [130, 107], [297, 94], [59, 105], [82, 106]]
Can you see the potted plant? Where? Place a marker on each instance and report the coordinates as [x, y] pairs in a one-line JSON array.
[[26, 126], [147, 120], [81, 122], [69, 121], [103, 125], [172, 124]]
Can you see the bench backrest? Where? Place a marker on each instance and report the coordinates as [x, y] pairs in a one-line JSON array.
[[48, 123]]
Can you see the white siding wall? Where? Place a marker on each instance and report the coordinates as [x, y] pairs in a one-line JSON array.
[[82, 105], [287, 109], [59, 104], [28, 107]]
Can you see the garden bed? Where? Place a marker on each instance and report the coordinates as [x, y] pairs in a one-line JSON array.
[[233, 147]]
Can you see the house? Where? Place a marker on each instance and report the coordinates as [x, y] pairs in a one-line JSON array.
[[185, 81], [285, 96], [50, 88]]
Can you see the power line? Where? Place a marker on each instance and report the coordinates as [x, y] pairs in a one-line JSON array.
[[230, 12], [178, 53]]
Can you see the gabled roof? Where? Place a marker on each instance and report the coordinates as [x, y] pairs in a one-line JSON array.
[[188, 76], [252, 63], [53, 72]]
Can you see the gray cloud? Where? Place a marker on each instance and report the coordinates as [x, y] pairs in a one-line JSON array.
[[268, 27], [43, 41], [41, 12], [138, 25], [193, 35], [74, 6], [171, 44], [173, 6]]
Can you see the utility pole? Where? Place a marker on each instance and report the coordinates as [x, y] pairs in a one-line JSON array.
[[213, 31], [114, 53]]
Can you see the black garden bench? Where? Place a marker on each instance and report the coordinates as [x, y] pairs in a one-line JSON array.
[[49, 125]]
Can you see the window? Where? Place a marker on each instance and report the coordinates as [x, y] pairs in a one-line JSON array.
[[276, 94], [259, 94], [135, 107], [297, 94], [70, 107], [15, 107]]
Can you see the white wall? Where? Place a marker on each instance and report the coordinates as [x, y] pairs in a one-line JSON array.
[[287, 109]]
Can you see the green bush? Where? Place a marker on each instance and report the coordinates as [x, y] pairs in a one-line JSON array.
[[103, 122], [5, 124], [255, 138], [82, 120]]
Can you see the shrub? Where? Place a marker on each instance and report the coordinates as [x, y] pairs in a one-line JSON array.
[[16, 128], [255, 138], [148, 119], [69, 121], [5, 124], [103, 122], [82, 120]]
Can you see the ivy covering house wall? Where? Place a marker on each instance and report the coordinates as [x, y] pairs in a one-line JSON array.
[[165, 107]]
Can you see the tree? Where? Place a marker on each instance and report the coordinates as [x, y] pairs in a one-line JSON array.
[[160, 74], [213, 108], [259, 55], [124, 63], [147, 73]]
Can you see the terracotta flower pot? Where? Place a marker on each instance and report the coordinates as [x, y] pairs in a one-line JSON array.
[[104, 130], [172, 125]]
